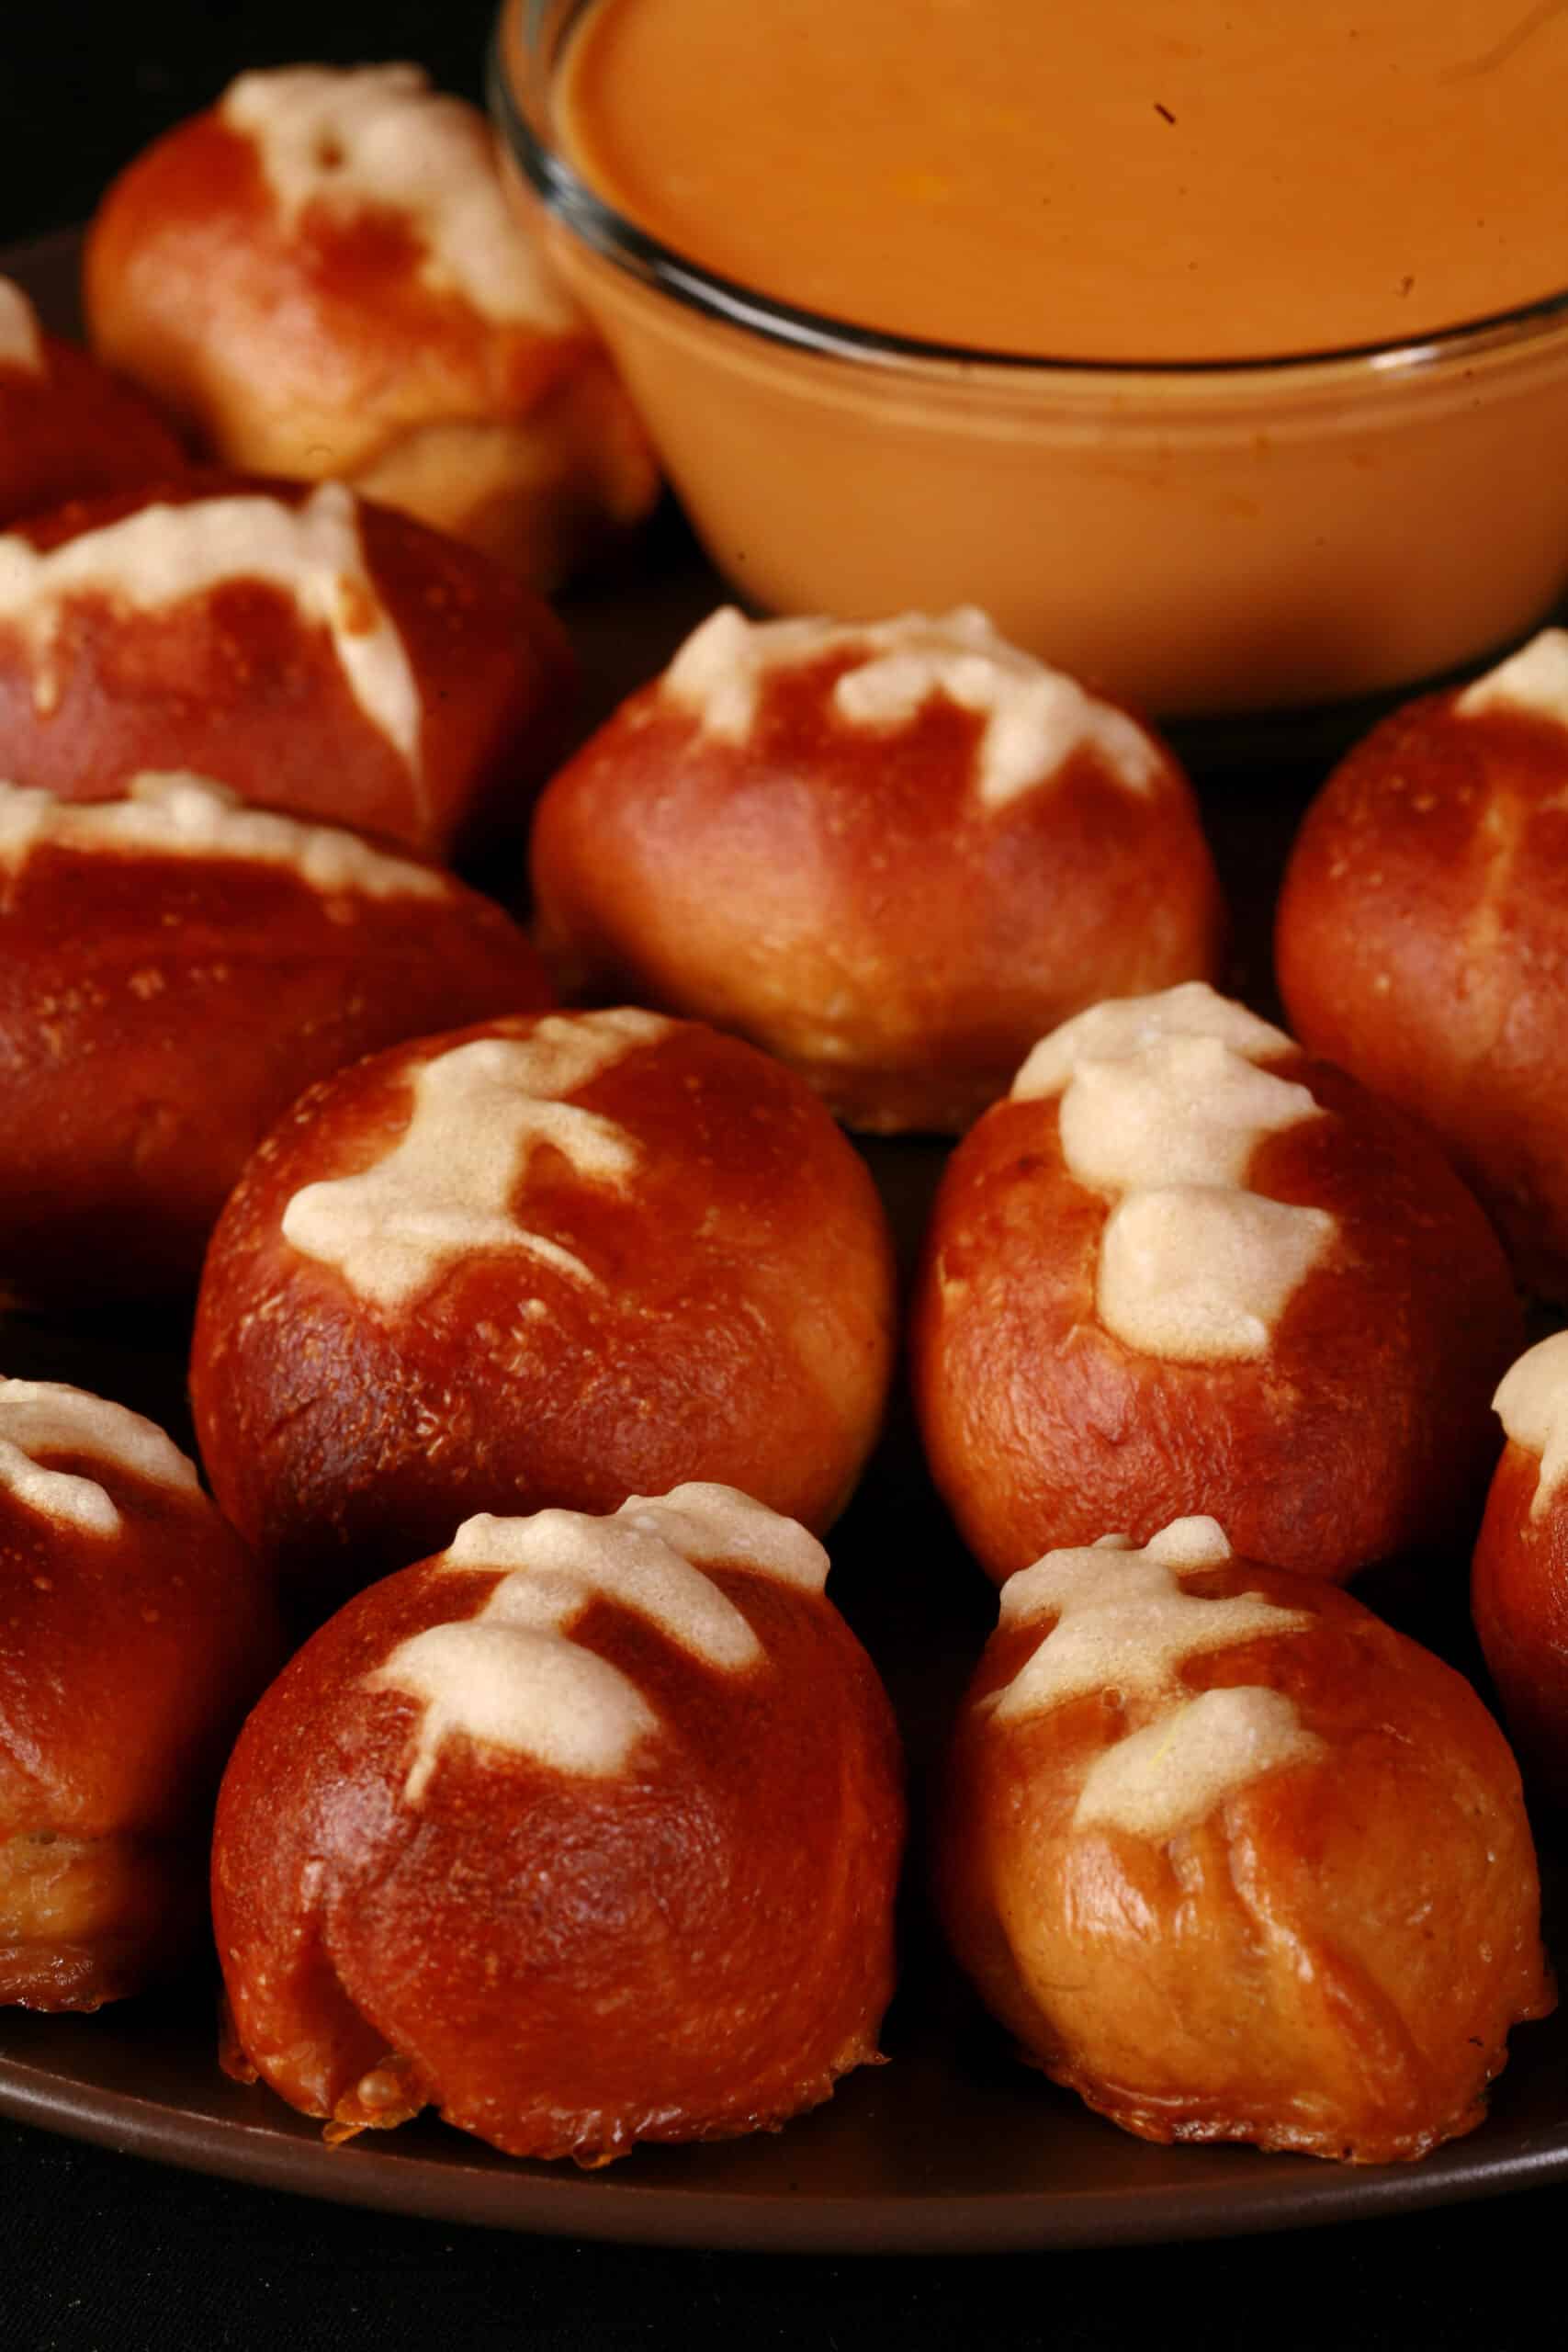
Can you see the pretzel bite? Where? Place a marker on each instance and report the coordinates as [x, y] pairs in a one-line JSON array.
[[134, 1632], [548, 1260], [586, 1831], [315, 652], [174, 968], [1234, 1860], [1520, 1579], [1183, 1264], [68, 428], [1420, 939], [320, 276], [891, 854]]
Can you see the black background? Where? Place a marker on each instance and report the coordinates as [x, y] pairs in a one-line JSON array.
[[84, 86], [107, 2252]]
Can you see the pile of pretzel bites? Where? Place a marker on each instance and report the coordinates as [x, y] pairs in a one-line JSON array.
[[545, 1315]]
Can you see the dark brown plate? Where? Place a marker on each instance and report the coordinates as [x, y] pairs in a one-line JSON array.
[[951, 2146]]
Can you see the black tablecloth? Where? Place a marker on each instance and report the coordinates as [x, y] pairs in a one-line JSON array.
[[103, 2251]]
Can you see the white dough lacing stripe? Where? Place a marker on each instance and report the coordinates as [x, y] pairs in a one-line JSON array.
[[378, 137], [513, 1678], [1532, 1404], [1162, 1108], [22, 338], [445, 1190], [164, 553], [41, 1417], [180, 815], [1534, 679], [1126, 1625], [1036, 719]]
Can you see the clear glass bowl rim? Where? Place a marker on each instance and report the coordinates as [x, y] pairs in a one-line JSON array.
[[619, 240]]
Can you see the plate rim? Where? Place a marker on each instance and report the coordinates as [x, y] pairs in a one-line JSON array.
[[483, 2189]]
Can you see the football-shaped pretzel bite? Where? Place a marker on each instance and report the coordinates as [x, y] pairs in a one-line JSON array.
[[135, 1630], [1184, 1267], [558, 1259], [1420, 939], [322, 275], [1234, 1860], [892, 852], [174, 968], [315, 652], [1519, 1577], [586, 1831], [68, 428]]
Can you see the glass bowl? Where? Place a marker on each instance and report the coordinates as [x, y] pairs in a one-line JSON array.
[[1200, 539]]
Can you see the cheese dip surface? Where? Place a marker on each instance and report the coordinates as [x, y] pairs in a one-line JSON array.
[[1130, 181]]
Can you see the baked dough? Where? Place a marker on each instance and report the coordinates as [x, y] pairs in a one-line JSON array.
[[1420, 939], [320, 276], [68, 428], [1520, 1576], [1235, 1860], [586, 1830], [174, 968], [315, 652], [135, 1630], [556, 1259], [892, 853], [1183, 1267]]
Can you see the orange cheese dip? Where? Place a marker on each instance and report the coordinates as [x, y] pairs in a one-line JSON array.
[[1130, 179]]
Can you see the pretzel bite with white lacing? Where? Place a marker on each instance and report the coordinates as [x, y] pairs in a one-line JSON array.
[[135, 1630], [322, 275], [892, 853], [1420, 939], [586, 1831], [315, 652], [68, 428], [174, 968], [1181, 1267], [1519, 1576], [1234, 1860], [556, 1259]]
